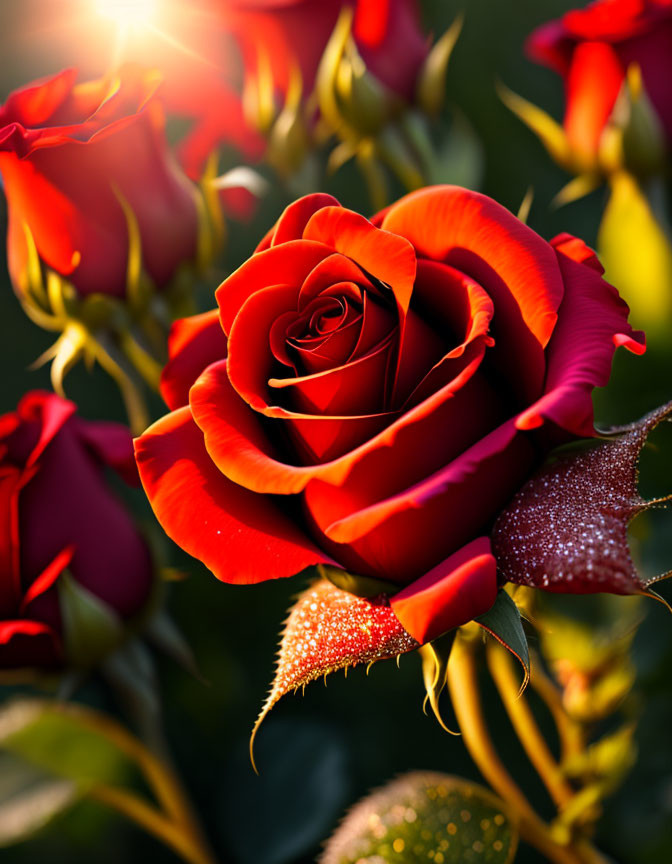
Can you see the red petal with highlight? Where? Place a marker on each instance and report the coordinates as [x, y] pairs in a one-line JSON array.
[[240, 536]]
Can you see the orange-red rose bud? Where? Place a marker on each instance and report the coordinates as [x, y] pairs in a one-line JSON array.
[[70, 154], [592, 49]]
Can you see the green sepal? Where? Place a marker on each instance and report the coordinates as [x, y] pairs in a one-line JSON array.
[[91, 628], [504, 622], [431, 87], [435, 656]]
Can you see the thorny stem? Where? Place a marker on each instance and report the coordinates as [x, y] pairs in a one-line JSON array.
[[463, 684]]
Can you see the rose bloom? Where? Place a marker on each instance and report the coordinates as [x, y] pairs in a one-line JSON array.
[[592, 48], [293, 33], [371, 394], [67, 152], [57, 513]]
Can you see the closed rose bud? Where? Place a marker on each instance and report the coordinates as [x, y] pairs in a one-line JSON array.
[[73, 566], [77, 159]]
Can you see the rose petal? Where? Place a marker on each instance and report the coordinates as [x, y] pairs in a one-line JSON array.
[[295, 217], [12, 479], [513, 264], [111, 444], [240, 536], [193, 344], [387, 257], [286, 264], [239, 444], [401, 537], [454, 592], [47, 578], [591, 325], [26, 643], [593, 83]]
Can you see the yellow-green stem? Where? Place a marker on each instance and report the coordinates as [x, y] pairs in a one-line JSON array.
[[463, 684], [522, 719], [569, 731], [153, 822]]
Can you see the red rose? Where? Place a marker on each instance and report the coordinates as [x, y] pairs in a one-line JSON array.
[[592, 48], [289, 32], [58, 513], [67, 152], [388, 387]]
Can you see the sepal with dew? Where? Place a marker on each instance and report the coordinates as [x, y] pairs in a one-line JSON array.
[[426, 816], [566, 530], [330, 629]]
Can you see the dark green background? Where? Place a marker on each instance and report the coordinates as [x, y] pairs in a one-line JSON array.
[[321, 753]]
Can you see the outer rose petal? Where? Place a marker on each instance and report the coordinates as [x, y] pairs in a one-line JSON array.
[[454, 592], [25, 643], [69, 503], [111, 444], [193, 344], [295, 217], [401, 537], [591, 325], [242, 537]]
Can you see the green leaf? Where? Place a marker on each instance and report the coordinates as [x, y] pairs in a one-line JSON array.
[[425, 816], [503, 621], [29, 799], [62, 741]]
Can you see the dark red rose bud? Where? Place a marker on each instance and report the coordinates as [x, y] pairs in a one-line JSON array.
[[70, 553], [566, 530]]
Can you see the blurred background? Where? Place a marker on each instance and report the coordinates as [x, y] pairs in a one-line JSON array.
[[319, 754]]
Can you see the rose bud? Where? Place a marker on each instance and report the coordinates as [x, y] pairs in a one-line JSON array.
[[370, 395], [74, 568], [364, 65], [593, 48], [294, 33], [77, 160]]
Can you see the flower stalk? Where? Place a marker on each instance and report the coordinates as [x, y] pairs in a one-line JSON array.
[[462, 680]]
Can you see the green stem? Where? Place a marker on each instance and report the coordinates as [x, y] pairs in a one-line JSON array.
[[522, 720], [463, 684]]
